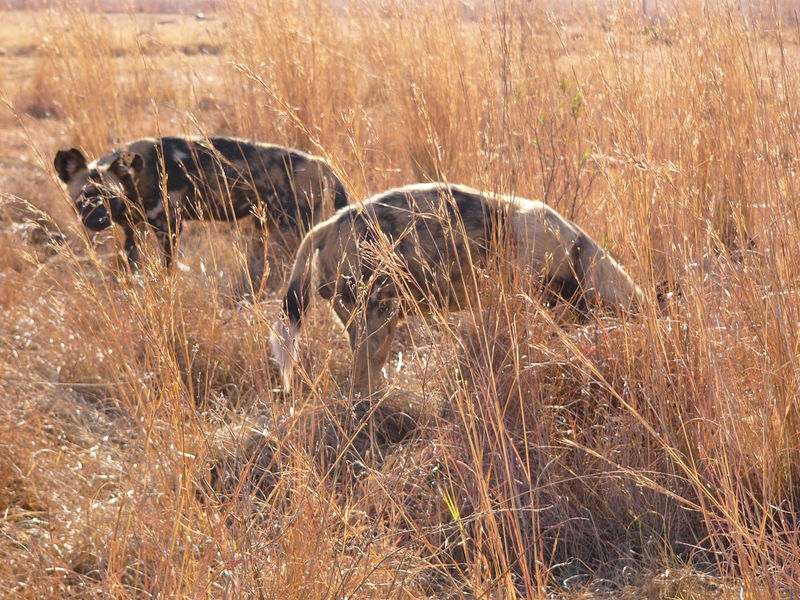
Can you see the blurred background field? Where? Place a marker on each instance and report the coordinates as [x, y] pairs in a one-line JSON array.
[[146, 448]]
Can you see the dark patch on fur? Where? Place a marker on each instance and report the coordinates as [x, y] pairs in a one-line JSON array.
[[570, 288]]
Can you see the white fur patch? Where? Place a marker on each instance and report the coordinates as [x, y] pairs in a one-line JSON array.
[[178, 156], [175, 198], [156, 211], [284, 349]]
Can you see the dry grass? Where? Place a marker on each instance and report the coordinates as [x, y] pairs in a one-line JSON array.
[[145, 446]]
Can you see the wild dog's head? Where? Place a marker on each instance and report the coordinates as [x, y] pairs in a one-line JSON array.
[[102, 189]]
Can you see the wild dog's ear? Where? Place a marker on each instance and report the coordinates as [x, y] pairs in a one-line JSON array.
[[68, 163], [127, 163]]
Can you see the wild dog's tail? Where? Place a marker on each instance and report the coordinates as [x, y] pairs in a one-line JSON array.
[[340, 199], [286, 329]]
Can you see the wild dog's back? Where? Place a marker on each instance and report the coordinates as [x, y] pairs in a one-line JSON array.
[[225, 178], [415, 243]]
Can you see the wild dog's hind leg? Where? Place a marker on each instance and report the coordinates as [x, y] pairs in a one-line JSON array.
[[602, 278], [371, 332]]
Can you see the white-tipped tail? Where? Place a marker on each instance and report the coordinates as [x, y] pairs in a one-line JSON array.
[[284, 349]]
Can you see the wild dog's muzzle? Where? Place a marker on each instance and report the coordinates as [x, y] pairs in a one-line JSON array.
[[94, 215]]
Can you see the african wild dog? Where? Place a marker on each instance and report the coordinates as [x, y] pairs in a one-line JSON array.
[[418, 248], [200, 178]]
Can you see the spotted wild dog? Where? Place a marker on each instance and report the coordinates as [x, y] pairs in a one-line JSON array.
[[162, 181], [419, 247]]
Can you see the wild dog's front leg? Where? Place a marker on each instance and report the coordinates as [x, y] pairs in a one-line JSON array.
[[164, 216], [167, 231], [131, 251], [371, 332], [268, 259], [270, 249]]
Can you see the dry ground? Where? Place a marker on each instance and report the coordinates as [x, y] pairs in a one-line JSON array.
[[146, 448]]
